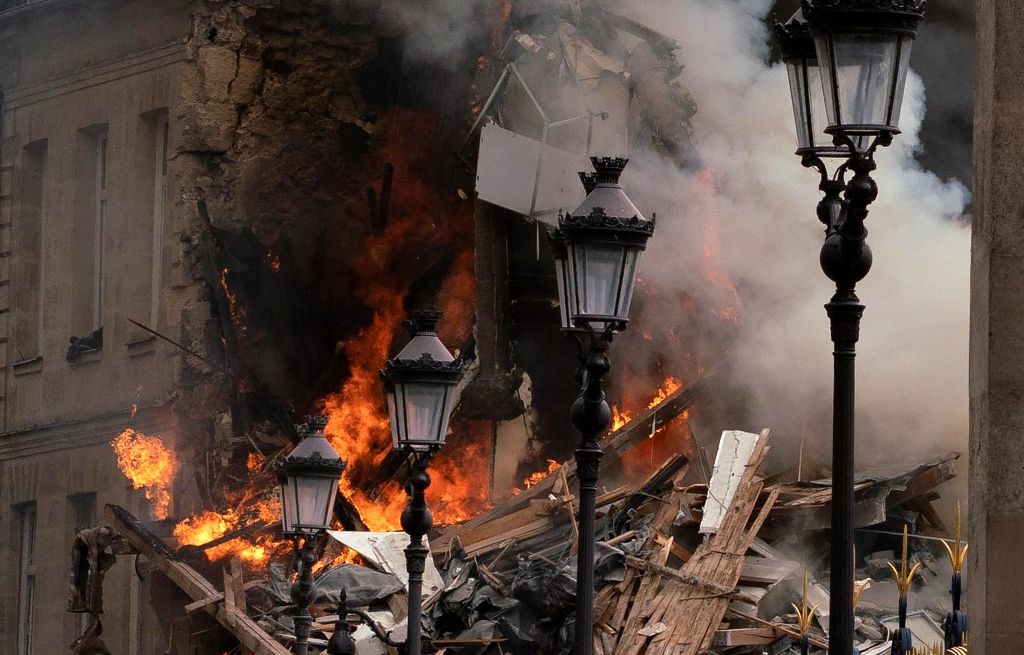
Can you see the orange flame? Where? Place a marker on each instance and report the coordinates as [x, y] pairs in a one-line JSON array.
[[620, 418], [204, 528], [668, 387], [235, 308], [149, 465], [536, 477]]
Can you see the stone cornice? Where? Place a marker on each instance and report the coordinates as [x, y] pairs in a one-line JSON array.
[[87, 431], [101, 73]]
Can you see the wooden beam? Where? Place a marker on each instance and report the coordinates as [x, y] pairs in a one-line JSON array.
[[249, 634]]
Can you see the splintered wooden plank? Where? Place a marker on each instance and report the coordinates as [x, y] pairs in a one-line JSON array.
[[237, 622], [692, 612]]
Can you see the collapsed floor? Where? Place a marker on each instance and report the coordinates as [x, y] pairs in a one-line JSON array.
[[686, 563]]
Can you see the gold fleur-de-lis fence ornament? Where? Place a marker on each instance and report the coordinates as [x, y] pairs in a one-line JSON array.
[[958, 552], [804, 616], [904, 576]]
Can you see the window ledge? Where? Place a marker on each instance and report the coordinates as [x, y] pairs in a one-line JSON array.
[[28, 366], [143, 346], [87, 357]]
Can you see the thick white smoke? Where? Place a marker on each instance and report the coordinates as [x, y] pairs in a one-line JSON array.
[[912, 364]]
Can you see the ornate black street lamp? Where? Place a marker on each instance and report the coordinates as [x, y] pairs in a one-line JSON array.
[[309, 483], [861, 53], [597, 247], [420, 388]]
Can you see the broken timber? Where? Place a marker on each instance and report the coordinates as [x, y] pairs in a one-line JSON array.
[[615, 445], [690, 612], [230, 615]]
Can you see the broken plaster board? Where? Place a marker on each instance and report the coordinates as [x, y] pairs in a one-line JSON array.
[[924, 630], [385, 551], [734, 450], [512, 167]]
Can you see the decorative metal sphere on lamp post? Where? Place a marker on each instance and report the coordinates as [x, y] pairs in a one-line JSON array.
[[420, 388], [309, 483], [597, 248], [859, 50]]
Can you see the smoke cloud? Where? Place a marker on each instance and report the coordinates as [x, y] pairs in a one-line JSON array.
[[912, 363]]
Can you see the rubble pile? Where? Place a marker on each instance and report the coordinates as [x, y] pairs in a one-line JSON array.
[[712, 566]]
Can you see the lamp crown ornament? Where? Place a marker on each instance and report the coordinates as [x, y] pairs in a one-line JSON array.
[[589, 181], [902, 15], [794, 37], [609, 169], [312, 425], [423, 321]]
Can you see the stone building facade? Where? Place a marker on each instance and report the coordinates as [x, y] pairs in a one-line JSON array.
[[201, 167], [88, 239]]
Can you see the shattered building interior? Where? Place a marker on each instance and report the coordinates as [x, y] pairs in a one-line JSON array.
[[223, 211]]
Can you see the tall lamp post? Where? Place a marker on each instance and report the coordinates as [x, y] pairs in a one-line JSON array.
[[419, 386], [597, 248], [859, 50], [309, 482]]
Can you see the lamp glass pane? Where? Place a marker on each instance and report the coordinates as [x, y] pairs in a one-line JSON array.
[[599, 271], [901, 79], [313, 494], [863, 66], [561, 271], [446, 413], [393, 415], [628, 282], [424, 405], [798, 90], [288, 503]]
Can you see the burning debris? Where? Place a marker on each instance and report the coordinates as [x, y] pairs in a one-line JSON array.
[[680, 564]]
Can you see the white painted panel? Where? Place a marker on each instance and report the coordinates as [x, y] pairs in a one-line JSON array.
[[510, 167], [734, 450]]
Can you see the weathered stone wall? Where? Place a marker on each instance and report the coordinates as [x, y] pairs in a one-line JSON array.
[[994, 576]]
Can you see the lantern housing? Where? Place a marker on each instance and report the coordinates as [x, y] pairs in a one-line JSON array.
[[420, 386], [308, 479], [603, 239], [863, 49]]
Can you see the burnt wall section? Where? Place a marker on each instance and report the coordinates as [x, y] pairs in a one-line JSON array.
[[320, 184], [269, 132]]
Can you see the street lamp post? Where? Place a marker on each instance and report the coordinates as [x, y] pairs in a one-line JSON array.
[[308, 479], [420, 389], [859, 50], [597, 248]]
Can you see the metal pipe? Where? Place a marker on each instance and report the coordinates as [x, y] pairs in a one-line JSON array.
[[591, 416]]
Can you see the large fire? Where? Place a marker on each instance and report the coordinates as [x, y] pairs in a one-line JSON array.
[[358, 425], [149, 465]]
